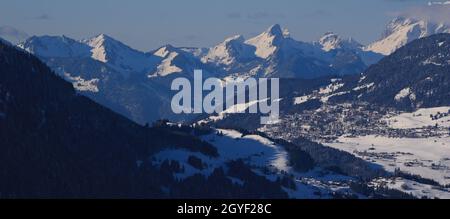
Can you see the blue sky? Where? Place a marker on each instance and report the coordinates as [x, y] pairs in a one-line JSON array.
[[147, 24]]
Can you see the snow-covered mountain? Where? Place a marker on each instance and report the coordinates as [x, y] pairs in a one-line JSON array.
[[81, 149], [55, 47], [271, 53], [396, 114], [274, 53], [401, 31], [232, 51], [357, 113], [137, 84], [176, 61], [331, 41], [105, 49], [101, 48], [268, 42]]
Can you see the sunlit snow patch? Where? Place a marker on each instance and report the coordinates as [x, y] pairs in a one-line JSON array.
[[421, 118], [81, 84]]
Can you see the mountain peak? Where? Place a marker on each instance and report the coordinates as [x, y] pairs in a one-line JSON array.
[[403, 30], [328, 36], [104, 37], [275, 30], [163, 51], [55, 46], [100, 40], [229, 51], [106, 49], [238, 38], [268, 42], [331, 41]]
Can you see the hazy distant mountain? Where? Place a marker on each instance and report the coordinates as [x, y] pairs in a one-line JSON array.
[[137, 84], [12, 34], [401, 31], [4, 41]]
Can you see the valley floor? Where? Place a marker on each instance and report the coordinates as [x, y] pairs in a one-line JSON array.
[[417, 143]]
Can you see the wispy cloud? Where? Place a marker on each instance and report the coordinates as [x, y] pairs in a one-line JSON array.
[[43, 17], [438, 3], [234, 15], [257, 15], [437, 12], [191, 37]]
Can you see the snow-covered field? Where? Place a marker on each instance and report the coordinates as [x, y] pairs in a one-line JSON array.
[[427, 157], [417, 189], [81, 84], [420, 118], [259, 153]]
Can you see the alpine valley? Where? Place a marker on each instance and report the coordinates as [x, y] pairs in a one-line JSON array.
[[92, 119]]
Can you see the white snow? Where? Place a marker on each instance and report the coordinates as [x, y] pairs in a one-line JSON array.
[[420, 119], [242, 107], [166, 67], [101, 48], [411, 187], [331, 41], [431, 61], [331, 88], [55, 46], [229, 51], [98, 48], [259, 154], [257, 151], [81, 84], [108, 50], [237, 108], [406, 92], [364, 86], [427, 157], [265, 43], [326, 98], [402, 31], [162, 52], [300, 100], [324, 93]]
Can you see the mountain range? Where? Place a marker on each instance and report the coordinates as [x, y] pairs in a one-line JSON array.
[[63, 145], [353, 123], [137, 84], [413, 77], [395, 114]]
